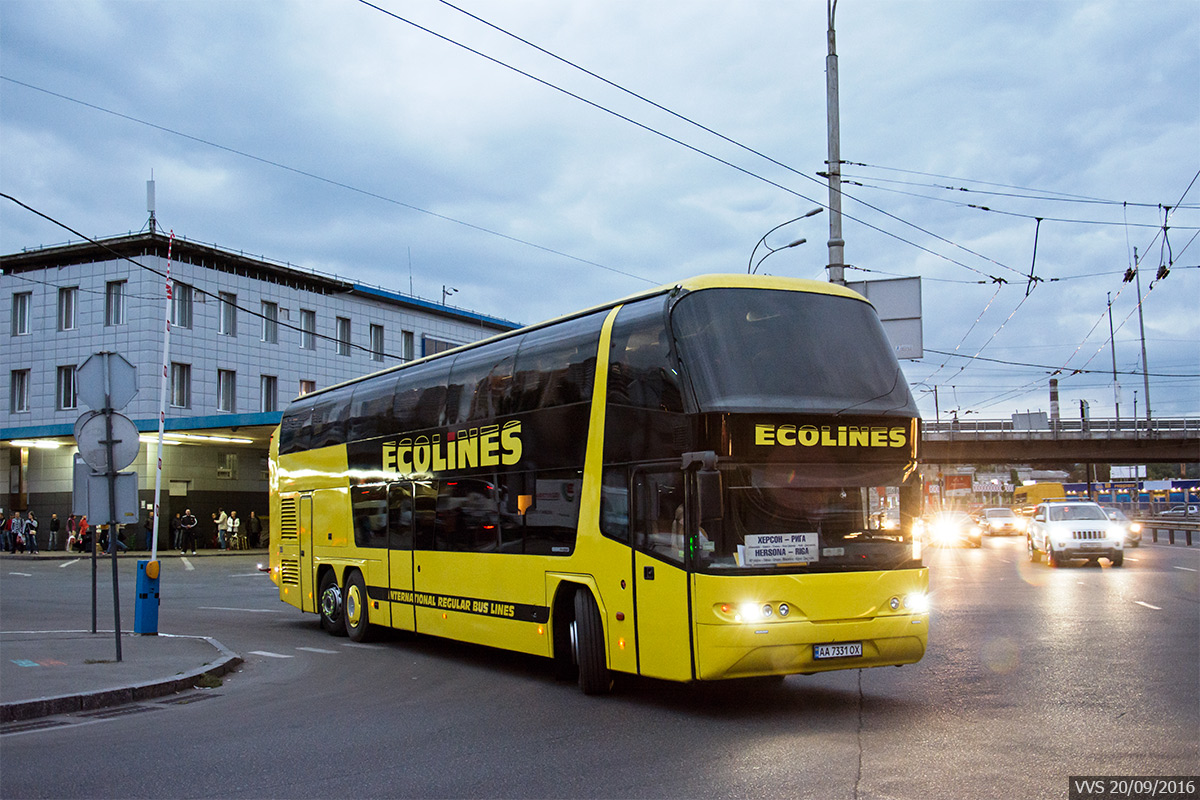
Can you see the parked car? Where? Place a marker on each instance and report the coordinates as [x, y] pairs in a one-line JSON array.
[[952, 527], [1000, 522], [1064, 531], [1133, 530], [1189, 510]]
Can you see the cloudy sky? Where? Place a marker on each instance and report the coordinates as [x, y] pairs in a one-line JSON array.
[[412, 144]]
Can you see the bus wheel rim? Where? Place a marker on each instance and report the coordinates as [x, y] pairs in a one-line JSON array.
[[353, 606], [331, 601]]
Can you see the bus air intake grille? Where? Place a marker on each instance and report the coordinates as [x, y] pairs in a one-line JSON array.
[[289, 519], [289, 571]]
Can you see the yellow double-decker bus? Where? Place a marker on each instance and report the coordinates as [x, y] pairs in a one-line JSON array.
[[713, 479]]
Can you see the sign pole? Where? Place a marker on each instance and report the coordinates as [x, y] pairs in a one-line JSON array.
[[112, 499]]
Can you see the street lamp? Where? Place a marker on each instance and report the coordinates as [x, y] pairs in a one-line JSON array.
[[751, 267], [447, 291]]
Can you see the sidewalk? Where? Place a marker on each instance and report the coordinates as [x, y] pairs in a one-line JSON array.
[[61, 672]]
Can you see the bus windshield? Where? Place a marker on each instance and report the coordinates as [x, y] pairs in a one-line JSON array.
[[784, 518], [748, 349]]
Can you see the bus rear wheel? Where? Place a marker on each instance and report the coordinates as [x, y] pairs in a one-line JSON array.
[[329, 606], [358, 617], [587, 639]]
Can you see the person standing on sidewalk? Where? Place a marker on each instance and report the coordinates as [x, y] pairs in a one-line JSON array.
[[222, 521], [253, 530], [31, 532], [16, 533], [54, 524], [188, 523], [176, 533], [5, 534]]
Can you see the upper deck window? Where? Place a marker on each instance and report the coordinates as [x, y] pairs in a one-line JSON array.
[[760, 350]]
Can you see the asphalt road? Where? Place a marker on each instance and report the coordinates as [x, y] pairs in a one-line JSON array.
[[1033, 675]]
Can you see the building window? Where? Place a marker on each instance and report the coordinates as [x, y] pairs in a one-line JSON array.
[[181, 385], [307, 387], [20, 314], [227, 466], [226, 390], [66, 391], [114, 303], [377, 343], [270, 319], [228, 323], [18, 400], [308, 329], [67, 295], [269, 392], [343, 336], [181, 306], [406, 345]]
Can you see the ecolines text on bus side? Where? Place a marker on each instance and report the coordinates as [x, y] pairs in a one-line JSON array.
[[830, 436], [485, 446]]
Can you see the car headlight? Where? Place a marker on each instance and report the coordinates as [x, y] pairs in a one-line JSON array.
[[1135, 527]]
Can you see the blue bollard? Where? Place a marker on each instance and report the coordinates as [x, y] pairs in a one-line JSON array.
[[145, 606]]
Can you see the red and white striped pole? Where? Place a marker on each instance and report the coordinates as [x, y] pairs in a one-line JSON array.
[[164, 383]]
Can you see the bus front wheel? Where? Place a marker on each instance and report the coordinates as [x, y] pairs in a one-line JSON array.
[[329, 606], [358, 618], [587, 640]]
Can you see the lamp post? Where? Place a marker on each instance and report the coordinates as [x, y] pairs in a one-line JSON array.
[[447, 291], [751, 267]]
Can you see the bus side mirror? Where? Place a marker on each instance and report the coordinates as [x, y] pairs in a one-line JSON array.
[[708, 484]]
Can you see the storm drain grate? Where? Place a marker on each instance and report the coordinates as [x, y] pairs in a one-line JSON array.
[[33, 725], [183, 701], [109, 713]]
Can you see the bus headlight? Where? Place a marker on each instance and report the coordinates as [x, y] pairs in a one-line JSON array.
[[917, 602]]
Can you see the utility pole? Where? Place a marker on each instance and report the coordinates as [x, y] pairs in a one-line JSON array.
[[1142, 328], [837, 254], [1112, 346]]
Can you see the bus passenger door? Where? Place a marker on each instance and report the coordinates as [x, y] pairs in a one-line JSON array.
[[660, 582], [400, 555]]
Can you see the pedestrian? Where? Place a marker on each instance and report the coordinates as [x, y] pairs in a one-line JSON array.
[[31, 532], [176, 533], [72, 530], [235, 532], [148, 527], [83, 536], [5, 541], [54, 523], [188, 523], [222, 521], [16, 532], [253, 530]]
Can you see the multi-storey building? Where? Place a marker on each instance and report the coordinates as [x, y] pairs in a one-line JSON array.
[[246, 336]]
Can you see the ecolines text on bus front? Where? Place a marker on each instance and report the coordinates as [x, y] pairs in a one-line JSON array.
[[485, 446], [829, 436]]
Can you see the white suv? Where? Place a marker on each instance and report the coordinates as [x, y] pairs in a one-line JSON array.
[[1067, 530]]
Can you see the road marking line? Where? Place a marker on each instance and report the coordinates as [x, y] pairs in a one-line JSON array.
[[363, 646], [22, 574], [1185, 569], [247, 575], [68, 563], [1147, 605], [245, 610], [187, 564], [268, 654], [317, 650]]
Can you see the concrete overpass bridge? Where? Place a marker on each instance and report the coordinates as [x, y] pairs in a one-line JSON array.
[[1093, 441]]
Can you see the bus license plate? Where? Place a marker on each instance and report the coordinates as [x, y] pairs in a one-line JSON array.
[[837, 650]]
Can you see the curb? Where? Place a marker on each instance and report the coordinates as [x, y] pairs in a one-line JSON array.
[[22, 710]]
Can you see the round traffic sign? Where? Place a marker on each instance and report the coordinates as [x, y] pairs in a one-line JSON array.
[[91, 434]]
